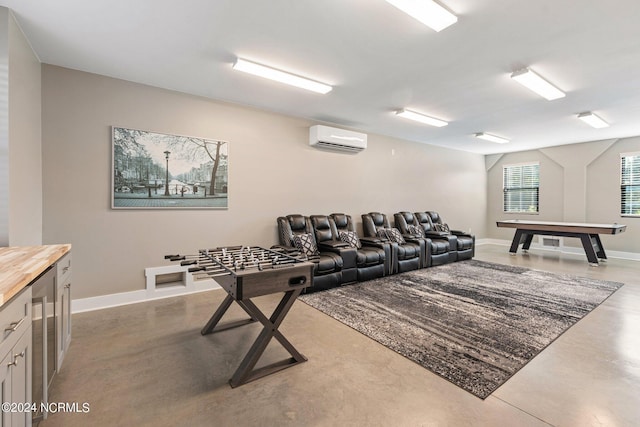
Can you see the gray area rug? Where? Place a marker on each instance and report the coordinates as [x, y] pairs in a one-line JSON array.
[[472, 322]]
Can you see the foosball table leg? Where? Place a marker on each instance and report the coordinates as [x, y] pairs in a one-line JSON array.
[[210, 327], [246, 372]]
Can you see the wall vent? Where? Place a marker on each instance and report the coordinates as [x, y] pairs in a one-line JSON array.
[[551, 242]]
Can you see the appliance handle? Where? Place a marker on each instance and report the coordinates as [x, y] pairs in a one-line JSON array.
[[45, 386]]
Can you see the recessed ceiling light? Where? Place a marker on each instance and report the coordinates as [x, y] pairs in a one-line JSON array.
[[412, 115], [537, 84], [492, 138], [280, 76], [428, 12], [593, 120]]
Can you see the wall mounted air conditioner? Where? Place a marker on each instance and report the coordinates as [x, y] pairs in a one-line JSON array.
[[336, 139]]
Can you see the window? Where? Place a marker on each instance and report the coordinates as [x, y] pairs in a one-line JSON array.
[[521, 187], [630, 184]]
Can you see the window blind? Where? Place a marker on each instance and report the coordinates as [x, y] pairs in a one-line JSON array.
[[521, 187], [630, 184]]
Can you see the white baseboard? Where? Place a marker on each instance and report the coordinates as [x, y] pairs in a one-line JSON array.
[[633, 256], [125, 298], [480, 242]]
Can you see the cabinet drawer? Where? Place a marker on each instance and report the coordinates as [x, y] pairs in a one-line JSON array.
[[15, 319], [64, 268]]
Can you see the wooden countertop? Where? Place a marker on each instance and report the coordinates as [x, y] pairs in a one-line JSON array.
[[19, 265]]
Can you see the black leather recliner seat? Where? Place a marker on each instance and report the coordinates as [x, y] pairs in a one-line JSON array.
[[296, 234], [438, 244], [371, 257], [406, 254], [326, 235], [465, 242]]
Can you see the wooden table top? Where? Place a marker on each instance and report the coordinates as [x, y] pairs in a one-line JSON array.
[[19, 265]]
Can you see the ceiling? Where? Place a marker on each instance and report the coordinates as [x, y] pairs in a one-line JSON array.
[[377, 58]]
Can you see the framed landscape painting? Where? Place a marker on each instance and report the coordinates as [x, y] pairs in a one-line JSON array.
[[159, 171]]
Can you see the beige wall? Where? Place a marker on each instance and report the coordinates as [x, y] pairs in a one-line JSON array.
[[25, 154], [20, 137], [272, 172], [4, 126], [603, 195], [578, 183]]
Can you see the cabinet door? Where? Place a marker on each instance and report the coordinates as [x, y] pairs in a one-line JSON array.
[[63, 321], [5, 388], [21, 379]]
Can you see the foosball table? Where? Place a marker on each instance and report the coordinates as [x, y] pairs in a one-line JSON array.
[[246, 272]]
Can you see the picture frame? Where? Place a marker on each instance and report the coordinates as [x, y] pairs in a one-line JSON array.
[[152, 170]]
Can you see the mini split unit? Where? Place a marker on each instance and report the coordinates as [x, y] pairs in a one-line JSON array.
[[329, 138]]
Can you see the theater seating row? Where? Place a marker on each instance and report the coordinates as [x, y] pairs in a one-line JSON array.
[[341, 256]]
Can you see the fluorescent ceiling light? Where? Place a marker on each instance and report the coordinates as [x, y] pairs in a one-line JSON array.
[[412, 115], [428, 12], [280, 76], [534, 82], [492, 138], [592, 120]]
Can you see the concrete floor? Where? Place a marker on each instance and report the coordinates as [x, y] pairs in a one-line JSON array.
[[147, 365]]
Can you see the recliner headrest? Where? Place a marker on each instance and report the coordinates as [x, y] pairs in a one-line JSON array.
[[321, 222], [297, 222], [422, 217], [408, 216], [435, 217], [377, 217], [341, 220]]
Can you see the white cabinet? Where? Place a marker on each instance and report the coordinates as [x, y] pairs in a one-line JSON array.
[[15, 354]]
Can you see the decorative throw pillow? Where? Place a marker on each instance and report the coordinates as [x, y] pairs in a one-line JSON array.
[[416, 230], [382, 233], [350, 238], [305, 244], [395, 236], [441, 227]]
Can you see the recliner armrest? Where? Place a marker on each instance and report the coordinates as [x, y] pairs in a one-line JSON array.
[[373, 240], [460, 233], [413, 239], [346, 252], [336, 247], [283, 248], [436, 234], [411, 236], [331, 245]]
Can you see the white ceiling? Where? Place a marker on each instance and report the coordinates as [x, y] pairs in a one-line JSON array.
[[379, 60]]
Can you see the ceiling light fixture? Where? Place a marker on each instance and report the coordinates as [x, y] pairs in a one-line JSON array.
[[412, 115], [537, 84], [492, 138], [593, 120], [428, 12], [280, 76]]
